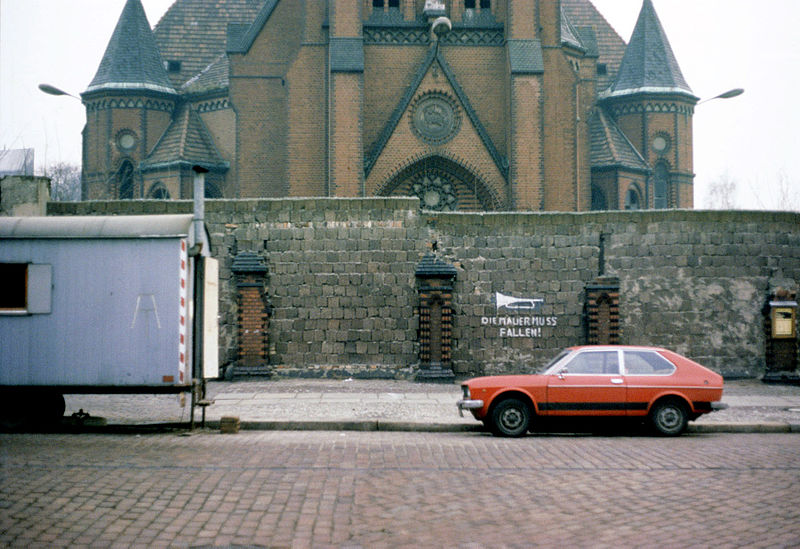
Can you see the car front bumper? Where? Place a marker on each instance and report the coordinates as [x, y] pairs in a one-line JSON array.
[[468, 404]]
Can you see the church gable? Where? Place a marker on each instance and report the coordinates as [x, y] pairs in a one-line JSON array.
[[435, 138]]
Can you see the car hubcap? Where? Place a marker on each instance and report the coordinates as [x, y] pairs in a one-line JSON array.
[[669, 418], [512, 418]]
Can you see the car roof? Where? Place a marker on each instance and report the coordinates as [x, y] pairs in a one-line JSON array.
[[615, 347]]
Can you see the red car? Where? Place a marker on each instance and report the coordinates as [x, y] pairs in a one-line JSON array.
[[650, 383]]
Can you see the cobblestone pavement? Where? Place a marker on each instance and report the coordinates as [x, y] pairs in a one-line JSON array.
[[348, 489], [752, 402]]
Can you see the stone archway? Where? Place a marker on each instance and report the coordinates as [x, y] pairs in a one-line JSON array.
[[442, 185]]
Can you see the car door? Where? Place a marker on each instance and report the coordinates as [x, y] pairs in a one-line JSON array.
[[647, 376], [589, 384]]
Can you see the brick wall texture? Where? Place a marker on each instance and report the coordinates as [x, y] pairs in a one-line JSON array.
[[344, 295]]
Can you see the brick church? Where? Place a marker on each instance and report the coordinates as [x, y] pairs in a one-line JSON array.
[[472, 105]]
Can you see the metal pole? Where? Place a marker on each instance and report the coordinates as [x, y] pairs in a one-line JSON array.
[[198, 194]]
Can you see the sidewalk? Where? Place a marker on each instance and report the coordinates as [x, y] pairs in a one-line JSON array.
[[386, 405]]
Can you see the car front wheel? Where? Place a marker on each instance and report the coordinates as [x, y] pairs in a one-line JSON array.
[[510, 418], [669, 418]]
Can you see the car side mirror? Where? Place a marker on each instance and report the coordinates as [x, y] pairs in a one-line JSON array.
[[562, 372]]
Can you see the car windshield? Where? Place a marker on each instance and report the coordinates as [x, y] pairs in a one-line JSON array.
[[562, 354]]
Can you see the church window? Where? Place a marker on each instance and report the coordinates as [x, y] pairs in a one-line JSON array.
[[661, 187], [602, 69], [472, 4], [633, 198], [382, 3], [125, 180], [158, 191], [126, 140], [173, 66]]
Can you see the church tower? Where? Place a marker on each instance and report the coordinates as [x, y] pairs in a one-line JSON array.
[[129, 105], [653, 105]]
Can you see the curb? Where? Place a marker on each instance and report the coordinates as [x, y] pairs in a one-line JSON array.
[[400, 426]]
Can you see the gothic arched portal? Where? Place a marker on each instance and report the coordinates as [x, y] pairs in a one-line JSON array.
[[442, 185]]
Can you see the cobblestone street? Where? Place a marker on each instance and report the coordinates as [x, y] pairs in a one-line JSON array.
[[349, 489]]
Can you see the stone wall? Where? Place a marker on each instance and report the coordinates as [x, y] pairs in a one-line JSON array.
[[24, 195], [343, 292]]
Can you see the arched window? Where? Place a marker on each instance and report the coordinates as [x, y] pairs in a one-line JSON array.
[[633, 198], [484, 4], [125, 180], [599, 201], [661, 186], [158, 191], [212, 191]]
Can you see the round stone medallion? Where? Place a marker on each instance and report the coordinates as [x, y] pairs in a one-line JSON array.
[[435, 118]]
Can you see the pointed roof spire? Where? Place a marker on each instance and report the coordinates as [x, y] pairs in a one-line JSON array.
[[649, 65], [132, 60]]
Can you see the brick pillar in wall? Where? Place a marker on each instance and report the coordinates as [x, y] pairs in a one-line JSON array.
[[435, 280], [254, 312], [602, 311]]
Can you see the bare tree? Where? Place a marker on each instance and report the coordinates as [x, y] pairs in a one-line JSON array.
[[722, 193], [65, 181], [788, 193]]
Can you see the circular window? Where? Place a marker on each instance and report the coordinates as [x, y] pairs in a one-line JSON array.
[[435, 118], [126, 140], [435, 192], [660, 143]]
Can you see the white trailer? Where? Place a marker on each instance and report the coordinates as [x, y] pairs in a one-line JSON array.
[[104, 305]]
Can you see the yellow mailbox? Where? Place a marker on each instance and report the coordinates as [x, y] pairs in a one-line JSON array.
[[784, 321]]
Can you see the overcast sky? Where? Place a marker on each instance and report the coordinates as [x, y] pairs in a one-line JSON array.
[[720, 44]]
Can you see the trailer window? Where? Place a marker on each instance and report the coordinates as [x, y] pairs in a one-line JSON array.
[[13, 286], [26, 288]]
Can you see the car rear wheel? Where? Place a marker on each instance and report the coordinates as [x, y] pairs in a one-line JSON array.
[[510, 418], [669, 418]]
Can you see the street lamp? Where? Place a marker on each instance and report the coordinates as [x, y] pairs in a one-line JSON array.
[[52, 90], [735, 92]]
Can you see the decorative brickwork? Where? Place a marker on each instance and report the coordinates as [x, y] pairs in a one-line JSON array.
[[254, 312], [337, 98], [435, 279], [602, 311]]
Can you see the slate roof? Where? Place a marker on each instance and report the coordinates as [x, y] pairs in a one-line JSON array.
[[186, 142], [609, 146], [649, 65], [433, 267], [215, 77], [132, 60], [194, 32], [609, 45], [569, 35]]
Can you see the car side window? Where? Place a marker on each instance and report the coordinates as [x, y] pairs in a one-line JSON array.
[[647, 363], [594, 363]]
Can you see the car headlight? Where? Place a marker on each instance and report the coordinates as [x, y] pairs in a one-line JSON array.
[[465, 392]]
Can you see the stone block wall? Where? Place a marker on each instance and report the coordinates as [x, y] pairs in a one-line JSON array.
[[24, 195], [343, 293]]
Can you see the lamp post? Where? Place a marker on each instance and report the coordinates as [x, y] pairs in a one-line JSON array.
[[49, 89], [52, 90], [735, 92]]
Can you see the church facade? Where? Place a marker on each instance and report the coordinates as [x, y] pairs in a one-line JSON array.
[[470, 105]]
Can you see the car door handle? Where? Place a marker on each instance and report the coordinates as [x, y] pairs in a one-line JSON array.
[[617, 381]]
